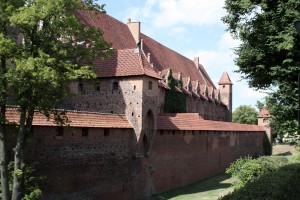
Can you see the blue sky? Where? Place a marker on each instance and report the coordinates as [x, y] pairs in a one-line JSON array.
[[193, 28]]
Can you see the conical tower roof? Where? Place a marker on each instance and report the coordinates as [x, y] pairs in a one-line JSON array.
[[225, 80], [264, 113]]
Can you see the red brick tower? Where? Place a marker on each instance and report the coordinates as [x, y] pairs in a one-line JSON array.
[[225, 86], [264, 120]]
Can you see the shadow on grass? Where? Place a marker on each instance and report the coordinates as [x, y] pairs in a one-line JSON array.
[[288, 153], [283, 183], [207, 185]]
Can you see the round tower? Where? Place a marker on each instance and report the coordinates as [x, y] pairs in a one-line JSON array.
[[225, 86]]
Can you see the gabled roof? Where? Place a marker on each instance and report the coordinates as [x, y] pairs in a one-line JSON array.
[[225, 80], [164, 58], [114, 31], [75, 119], [264, 113], [124, 62], [193, 121]]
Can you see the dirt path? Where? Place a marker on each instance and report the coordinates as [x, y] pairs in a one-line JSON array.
[[284, 149]]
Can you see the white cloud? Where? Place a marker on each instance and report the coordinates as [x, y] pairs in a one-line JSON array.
[[251, 93], [167, 13], [227, 42]]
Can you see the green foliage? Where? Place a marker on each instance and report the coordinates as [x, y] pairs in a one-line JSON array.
[[31, 188], [298, 145], [43, 45], [260, 105], [282, 183], [267, 146], [175, 102], [248, 170], [244, 115], [269, 55]]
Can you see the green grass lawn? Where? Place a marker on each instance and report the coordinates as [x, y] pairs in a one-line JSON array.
[[208, 189], [217, 186]]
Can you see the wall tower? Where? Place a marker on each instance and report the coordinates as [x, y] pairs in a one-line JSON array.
[[225, 86], [264, 120]]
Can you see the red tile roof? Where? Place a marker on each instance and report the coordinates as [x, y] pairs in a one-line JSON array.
[[124, 62], [164, 58], [225, 80], [114, 31], [193, 121], [75, 119], [264, 113]]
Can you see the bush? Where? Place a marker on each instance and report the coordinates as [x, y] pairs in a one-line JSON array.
[[31, 189], [247, 170], [282, 183], [298, 145]]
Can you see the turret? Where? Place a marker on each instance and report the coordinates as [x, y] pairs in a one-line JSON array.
[[264, 120], [225, 86]]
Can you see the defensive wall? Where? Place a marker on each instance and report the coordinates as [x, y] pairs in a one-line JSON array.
[[89, 160]]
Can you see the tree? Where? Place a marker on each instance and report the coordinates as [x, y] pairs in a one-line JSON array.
[[260, 105], [56, 48], [244, 115], [269, 56], [175, 102]]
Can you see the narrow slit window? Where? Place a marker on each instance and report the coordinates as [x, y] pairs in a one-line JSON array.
[[150, 85], [85, 132], [80, 87], [115, 86], [59, 132], [106, 132]]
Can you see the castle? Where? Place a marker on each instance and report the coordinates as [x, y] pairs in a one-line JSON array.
[[119, 143]]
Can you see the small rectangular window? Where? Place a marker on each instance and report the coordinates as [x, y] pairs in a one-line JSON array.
[[59, 132], [106, 132], [115, 86], [80, 87], [150, 85], [85, 132], [98, 86]]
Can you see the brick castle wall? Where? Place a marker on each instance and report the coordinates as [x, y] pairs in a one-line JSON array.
[[106, 167]]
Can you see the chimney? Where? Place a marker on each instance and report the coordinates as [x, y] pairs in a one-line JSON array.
[[135, 29]]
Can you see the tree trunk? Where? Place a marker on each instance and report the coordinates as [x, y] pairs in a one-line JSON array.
[[3, 156], [17, 179], [3, 152]]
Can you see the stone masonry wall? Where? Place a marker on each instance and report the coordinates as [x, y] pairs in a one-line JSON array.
[[126, 97]]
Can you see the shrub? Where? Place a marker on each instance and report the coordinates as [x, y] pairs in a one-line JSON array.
[[31, 190], [247, 170], [282, 183]]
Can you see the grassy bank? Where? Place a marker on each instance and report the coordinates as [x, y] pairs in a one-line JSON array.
[[208, 189]]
